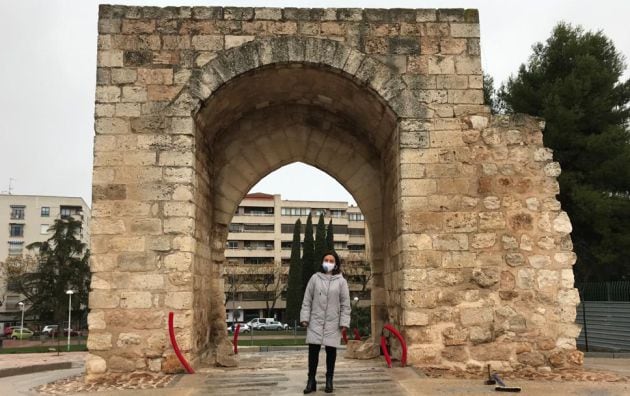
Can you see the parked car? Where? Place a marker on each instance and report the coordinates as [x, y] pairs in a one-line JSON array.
[[273, 326], [244, 328], [256, 323], [21, 334], [73, 333], [49, 330]]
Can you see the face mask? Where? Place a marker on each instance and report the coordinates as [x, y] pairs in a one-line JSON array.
[[328, 266]]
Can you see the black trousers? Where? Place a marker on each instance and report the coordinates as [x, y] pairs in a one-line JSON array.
[[313, 359]]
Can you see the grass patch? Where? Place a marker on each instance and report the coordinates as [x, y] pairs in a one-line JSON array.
[[281, 342], [43, 349]]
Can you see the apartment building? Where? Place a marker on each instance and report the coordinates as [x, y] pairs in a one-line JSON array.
[[25, 219], [259, 244]]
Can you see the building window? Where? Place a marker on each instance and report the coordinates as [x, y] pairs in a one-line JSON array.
[[15, 248], [356, 216], [45, 211], [295, 211], [17, 212], [232, 244], [337, 213], [356, 231], [258, 260], [16, 230], [356, 248], [68, 211], [340, 245], [43, 229]]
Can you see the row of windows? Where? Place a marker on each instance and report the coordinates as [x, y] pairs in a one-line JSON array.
[[15, 248], [337, 228], [239, 227], [18, 211], [17, 230]]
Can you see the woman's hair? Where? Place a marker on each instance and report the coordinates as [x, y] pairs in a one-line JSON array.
[[337, 269]]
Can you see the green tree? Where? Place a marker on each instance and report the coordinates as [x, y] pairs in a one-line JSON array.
[[330, 237], [307, 253], [320, 243], [573, 82], [490, 94], [294, 283], [63, 264]]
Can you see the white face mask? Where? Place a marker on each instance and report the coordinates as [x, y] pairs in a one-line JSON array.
[[328, 266]]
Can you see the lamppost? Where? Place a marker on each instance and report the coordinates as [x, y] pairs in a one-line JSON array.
[[69, 293], [21, 304], [356, 304]]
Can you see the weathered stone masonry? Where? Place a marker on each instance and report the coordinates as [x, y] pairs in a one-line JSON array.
[[470, 248]]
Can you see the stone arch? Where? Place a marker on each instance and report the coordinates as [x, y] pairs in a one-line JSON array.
[[296, 105]]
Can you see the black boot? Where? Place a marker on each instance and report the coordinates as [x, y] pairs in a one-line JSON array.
[[329, 384], [311, 385]]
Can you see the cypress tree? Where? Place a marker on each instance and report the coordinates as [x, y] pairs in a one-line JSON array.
[[320, 243], [294, 284], [307, 254], [574, 82], [330, 237]]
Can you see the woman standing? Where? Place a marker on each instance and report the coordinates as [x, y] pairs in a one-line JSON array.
[[325, 311]]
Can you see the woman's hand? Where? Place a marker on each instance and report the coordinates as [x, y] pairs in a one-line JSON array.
[[304, 324]]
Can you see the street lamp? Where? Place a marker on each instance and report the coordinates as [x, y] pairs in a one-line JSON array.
[[69, 293], [21, 304], [356, 303]]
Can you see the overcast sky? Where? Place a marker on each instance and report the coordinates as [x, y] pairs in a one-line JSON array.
[[48, 67]]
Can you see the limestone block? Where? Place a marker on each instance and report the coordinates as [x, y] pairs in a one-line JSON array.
[[424, 354], [546, 243], [225, 354], [562, 224], [450, 242], [96, 320], [492, 203], [565, 258], [128, 339], [513, 136], [460, 222], [416, 318], [440, 64], [526, 279], [132, 300], [454, 336], [103, 299], [539, 261], [362, 350], [480, 334], [121, 364], [178, 300], [547, 278], [493, 351], [543, 154], [113, 58], [155, 365], [566, 278], [180, 261], [534, 359], [485, 277], [465, 30], [475, 316], [491, 221], [95, 364], [99, 341], [483, 240], [455, 354]]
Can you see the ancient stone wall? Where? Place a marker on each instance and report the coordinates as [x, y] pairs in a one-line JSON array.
[[470, 249]]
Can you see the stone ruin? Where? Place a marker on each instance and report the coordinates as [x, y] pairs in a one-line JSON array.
[[470, 249]]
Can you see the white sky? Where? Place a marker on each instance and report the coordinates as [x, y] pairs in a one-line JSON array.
[[48, 67]]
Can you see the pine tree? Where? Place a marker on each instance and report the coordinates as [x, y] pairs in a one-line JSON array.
[[307, 254], [330, 237], [573, 82], [294, 284], [63, 264], [320, 243]]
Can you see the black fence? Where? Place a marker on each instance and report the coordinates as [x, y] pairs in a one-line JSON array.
[[604, 291]]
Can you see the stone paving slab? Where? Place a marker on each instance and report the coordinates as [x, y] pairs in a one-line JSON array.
[[24, 363]]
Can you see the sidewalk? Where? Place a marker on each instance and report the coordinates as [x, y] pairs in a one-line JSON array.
[[25, 363]]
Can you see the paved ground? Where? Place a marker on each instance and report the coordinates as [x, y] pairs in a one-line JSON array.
[[284, 373]]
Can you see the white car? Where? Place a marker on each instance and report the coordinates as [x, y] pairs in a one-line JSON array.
[[244, 328], [273, 326]]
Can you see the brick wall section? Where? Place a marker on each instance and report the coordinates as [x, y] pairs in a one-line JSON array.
[[472, 257]]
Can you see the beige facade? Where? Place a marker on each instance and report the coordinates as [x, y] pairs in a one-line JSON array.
[[259, 244], [25, 219], [470, 250]]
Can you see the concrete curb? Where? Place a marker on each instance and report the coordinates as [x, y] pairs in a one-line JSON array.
[[9, 372], [279, 348]]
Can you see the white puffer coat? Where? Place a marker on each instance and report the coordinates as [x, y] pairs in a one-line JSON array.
[[326, 307]]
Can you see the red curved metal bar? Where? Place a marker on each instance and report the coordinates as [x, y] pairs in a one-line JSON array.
[[236, 331], [344, 335], [403, 344], [388, 358], [181, 357], [357, 336]]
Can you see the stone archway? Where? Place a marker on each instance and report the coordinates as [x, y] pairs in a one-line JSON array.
[[471, 249]]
